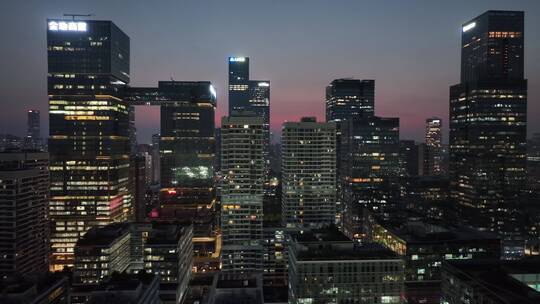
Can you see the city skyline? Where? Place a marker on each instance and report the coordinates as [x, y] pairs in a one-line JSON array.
[[404, 88]]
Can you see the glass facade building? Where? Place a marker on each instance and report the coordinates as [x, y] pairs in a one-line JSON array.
[[488, 121], [88, 64]]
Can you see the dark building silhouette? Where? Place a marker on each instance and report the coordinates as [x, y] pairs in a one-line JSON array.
[[488, 121], [348, 98], [24, 199]]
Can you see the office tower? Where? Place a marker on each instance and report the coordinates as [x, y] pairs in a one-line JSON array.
[[49, 288], [424, 244], [101, 252], [250, 97], [327, 267], [350, 98], [88, 64], [242, 163], [408, 158], [488, 121], [495, 282], [187, 143], [168, 253], [369, 168], [433, 150], [156, 159], [187, 152], [24, 197], [33, 133], [309, 173]]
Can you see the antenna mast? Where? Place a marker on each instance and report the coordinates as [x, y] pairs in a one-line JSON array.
[[73, 16]]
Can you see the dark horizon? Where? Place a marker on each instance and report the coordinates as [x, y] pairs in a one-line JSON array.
[[192, 41]]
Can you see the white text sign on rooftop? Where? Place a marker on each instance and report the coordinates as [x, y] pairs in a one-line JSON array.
[[74, 26]]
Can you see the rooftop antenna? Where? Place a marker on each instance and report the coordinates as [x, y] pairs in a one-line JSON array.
[[73, 16], [172, 78]]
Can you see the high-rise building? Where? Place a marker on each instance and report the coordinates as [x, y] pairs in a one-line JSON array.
[[350, 98], [369, 168], [89, 144], [250, 97], [327, 267], [156, 159], [187, 152], [308, 173], [24, 197], [408, 158], [242, 163], [347, 99], [488, 121], [33, 133], [433, 153]]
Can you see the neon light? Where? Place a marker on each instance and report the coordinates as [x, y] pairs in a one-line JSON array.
[[67, 26], [469, 26], [237, 59]]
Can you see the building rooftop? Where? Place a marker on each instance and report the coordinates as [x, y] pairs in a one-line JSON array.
[[330, 244], [414, 228], [237, 289], [166, 233], [103, 236], [510, 282], [16, 289]]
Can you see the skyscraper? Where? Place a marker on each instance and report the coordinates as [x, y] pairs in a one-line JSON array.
[[250, 97], [187, 152], [488, 120], [309, 173], [369, 168], [24, 196], [33, 134], [347, 98], [242, 193], [88, 64], [433, 153]]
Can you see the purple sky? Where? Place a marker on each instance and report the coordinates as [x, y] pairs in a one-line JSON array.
[[410, 47]]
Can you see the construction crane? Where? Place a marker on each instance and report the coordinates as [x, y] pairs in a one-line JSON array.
[[73, 16]]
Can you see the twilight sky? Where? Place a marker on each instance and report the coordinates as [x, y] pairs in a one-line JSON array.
[[411, 48]]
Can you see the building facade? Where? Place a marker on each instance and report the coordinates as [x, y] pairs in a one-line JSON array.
[[488, 121], [250, 98], [369, 168], [433, 148], [88, 64], [308, 173], [242, 162], [24, 197], [327, 267]]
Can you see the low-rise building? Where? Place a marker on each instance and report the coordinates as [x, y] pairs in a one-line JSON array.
[[425, 244], [326, 267], [491, 282]]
